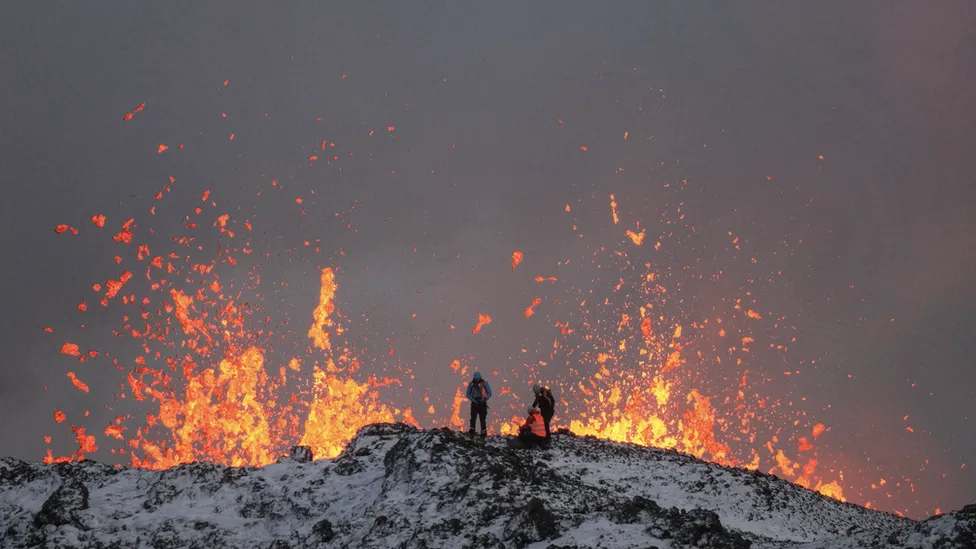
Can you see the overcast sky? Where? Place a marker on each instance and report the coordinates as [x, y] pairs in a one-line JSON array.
[[876, 240]]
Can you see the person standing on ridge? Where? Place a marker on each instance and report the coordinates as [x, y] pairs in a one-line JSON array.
[[479, 391], [546, 404]]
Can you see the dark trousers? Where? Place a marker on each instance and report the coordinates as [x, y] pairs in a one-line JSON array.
[[479, 410], [547, 418], [528, 439]]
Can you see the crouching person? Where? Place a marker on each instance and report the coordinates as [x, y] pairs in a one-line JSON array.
[[532, 433]]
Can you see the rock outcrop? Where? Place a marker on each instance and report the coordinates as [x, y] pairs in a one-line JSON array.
[[397, 486]]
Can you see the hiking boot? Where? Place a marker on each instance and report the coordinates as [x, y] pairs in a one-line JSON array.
[[471, 432]]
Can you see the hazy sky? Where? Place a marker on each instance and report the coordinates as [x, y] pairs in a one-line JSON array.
[[741, 101]]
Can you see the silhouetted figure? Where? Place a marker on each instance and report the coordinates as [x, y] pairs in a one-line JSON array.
[[546, 404], [479, 391]]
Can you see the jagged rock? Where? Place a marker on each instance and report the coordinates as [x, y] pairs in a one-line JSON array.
[[383, 528], [323, 531], [703, 529], [160, 493], [13, 472], [533, 523], [399, 487], [386, 429], [634, 510], [414, 543], [60, 508], [347, 465], [301, 454], [485, 541], [399, 465]]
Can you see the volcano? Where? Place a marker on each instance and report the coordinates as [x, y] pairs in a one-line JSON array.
[[398, 486]]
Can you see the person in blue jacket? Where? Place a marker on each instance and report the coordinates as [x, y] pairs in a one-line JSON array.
[[479, 391]]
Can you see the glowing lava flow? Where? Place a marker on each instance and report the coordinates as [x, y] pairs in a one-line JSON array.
[[637, 382], [638, 368], [340, 407], [231, 415], [641, 371], [637, 376]]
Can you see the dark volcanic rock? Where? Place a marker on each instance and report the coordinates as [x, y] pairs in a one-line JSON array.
[[533, 523], [323, 530], [485, 541], [399, 487], [301, 454], [60, 508], [637, 510], [702, 529], [400, 464], [348, 465], [160, 493]]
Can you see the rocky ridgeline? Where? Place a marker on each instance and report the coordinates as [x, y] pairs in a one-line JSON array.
[[397, 486]]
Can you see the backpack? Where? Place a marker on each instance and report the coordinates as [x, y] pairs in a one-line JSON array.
[[548, 396], [479, 389], [545, 396]]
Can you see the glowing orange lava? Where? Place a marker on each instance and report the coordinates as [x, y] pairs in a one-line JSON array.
[[633, 365], [77, 382], [128, 116], [216, 399], [636, 238], [483, 320], [638, 383], [322, 314]]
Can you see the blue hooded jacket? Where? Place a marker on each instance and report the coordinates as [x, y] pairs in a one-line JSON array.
[[472, 391]]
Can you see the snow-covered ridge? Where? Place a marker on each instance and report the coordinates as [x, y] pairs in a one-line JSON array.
[[397, 486]]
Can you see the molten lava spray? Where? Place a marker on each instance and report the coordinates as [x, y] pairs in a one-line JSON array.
[[633, 357]]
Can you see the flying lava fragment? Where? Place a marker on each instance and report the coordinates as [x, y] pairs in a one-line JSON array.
[[636, 238], [70, 349], [322, 313], [516, 258], [483, 320], [77, 382], [128, 116]]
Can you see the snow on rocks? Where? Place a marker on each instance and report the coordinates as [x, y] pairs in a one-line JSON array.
[[298, 454], [401, 487]]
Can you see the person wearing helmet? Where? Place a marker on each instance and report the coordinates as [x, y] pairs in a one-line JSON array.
[[546, 404], [532, 433], [478, 392]]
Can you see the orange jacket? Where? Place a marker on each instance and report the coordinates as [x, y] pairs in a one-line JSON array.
[[535, 424]]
